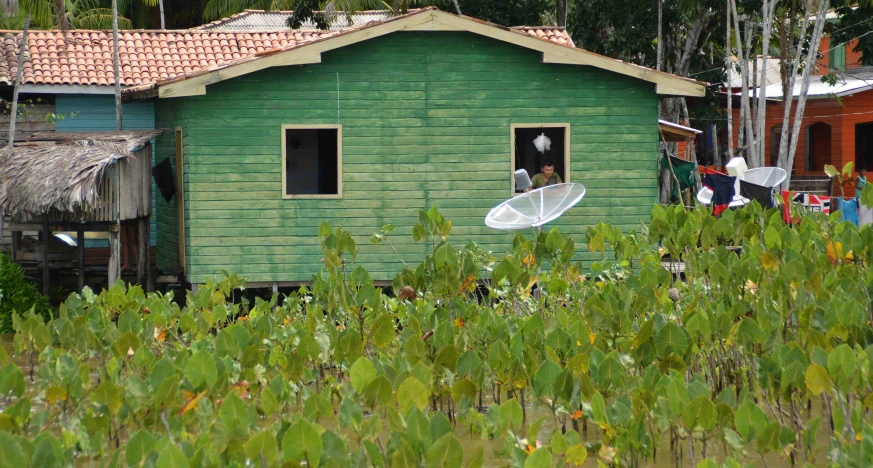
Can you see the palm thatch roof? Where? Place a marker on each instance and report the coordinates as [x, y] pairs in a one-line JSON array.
[[62, 171]]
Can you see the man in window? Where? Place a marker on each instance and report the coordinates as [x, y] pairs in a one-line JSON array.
[[546, 177]]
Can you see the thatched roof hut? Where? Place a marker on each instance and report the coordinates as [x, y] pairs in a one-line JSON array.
[[93, 176]]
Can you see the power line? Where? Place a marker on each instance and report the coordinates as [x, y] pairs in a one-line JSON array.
[[725, 119]]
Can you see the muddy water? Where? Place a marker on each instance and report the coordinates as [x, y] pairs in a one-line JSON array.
[[492, 448]]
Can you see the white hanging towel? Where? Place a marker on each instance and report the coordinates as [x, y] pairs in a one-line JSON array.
[[865, 215]]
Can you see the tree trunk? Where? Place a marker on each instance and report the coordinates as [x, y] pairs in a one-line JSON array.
[[820, 21], [730, 72], [163, 19], [752, 153], [13, 115], [788, 98], [116, 75], [457, 7], [767, 10], [8, 7], [660, 57], [561, 12]]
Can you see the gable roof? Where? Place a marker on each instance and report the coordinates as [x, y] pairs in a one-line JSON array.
[[84, 58], [427, 19], [261, 21]]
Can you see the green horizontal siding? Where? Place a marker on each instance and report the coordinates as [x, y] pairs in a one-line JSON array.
[[426, 122]]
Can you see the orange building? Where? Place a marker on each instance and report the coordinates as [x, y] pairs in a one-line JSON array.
[[837, 125]]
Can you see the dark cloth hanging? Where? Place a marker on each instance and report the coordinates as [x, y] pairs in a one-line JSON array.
[[163, 174], [723, 191], [764, 195], [684, 170]]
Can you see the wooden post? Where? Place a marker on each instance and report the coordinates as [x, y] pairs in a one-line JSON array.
[[115, 74], [114, 253], [80, 256], [16, 244], [46, 238], [142, 260]]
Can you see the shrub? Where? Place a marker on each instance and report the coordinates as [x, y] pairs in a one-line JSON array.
[[17, 294]]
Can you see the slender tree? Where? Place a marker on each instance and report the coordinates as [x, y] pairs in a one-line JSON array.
[[767, 11], [788, 143], [13, 115], [729, 66]]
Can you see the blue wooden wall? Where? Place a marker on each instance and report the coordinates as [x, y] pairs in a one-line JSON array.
[[96, 112]]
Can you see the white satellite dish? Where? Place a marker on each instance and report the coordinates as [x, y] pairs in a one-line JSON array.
[[535, 208], [766, 176], [769, 177]]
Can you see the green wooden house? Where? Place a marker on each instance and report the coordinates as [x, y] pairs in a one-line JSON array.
[[371, 125]]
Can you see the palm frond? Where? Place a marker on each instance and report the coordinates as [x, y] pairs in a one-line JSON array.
[[15, 21], [217, 9], [42, 13], [100, 18]]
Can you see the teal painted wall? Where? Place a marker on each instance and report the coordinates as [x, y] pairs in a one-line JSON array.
[[93, 113], [426, 122]]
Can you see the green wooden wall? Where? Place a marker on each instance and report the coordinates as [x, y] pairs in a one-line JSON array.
[[426, 122]]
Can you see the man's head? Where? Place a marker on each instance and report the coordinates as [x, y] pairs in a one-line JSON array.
[[863, 172], [548, 169]]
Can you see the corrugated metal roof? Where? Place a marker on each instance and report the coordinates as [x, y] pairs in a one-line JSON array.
[[259, 20], [774, 72], [855, 81]]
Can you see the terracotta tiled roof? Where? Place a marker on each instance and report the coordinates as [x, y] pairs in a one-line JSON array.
[[85, 57], [552, 33], [149, 57]]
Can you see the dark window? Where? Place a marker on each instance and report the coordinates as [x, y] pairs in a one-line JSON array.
[[864, 146], [818, 146], [530, 158], [312, 161], [775, 141]]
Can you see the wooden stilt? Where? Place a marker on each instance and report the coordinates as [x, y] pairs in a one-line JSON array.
[[16, 244], [149, 283], [80, 257], [195, 287], [142, 243], [114, 253], [46, 238]]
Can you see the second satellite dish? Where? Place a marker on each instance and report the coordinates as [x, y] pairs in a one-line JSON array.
[[535, 208]]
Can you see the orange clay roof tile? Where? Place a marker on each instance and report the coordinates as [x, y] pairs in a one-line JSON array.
[[81, 57]]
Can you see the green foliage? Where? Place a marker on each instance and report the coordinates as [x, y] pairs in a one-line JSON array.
[[17, 294], [767, 318]]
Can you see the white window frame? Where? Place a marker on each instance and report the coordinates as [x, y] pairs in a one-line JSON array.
[[512, 127], [339, 162]]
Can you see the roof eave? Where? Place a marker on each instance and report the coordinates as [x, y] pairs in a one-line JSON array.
[[428, 19]]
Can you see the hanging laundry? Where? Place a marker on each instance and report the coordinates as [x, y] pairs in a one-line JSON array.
[[723, 190], [849, 210], [865, 215], [764, 195], [684, 171]]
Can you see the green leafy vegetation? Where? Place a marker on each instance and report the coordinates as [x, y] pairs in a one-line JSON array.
[[762, 352], [17, 294]]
